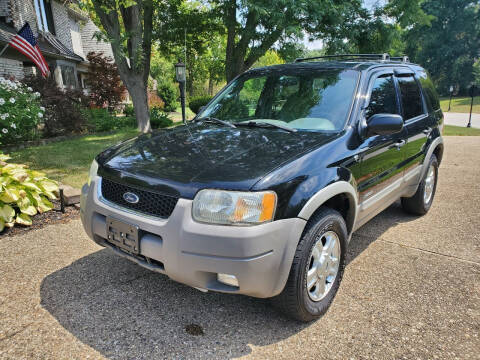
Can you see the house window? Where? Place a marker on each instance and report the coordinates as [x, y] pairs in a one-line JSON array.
[[43, 9], [68, 76]]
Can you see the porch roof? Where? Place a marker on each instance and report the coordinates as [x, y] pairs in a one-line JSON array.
[[49, 45]]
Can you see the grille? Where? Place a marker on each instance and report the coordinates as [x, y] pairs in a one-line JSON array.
[[149, 203]]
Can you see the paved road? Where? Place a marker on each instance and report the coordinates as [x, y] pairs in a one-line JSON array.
[[411, 290], [459, 119]]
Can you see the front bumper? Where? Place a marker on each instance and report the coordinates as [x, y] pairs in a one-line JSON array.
[[192, 253]]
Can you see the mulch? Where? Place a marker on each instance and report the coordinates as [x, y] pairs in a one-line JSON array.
[[54, 216]]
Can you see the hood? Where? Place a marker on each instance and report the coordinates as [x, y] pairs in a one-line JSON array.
[[182, 160]]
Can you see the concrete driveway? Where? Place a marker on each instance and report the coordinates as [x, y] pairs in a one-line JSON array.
[[411, 290], [461, 119]]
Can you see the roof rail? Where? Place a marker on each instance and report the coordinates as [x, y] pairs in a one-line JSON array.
[[382, 57], [404, 58]]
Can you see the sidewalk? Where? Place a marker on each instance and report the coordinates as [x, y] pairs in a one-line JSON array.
[[461, 119]]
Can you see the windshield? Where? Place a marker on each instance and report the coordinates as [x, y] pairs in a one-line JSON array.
[[298, 98]]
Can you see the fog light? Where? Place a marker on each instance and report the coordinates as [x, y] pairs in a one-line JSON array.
[[228, 279]]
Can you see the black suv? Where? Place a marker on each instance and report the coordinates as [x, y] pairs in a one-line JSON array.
[[260, 193]]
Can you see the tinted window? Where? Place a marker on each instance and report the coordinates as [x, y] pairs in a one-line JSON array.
[[298, 98], [411, 97], [431, 95], [382, 99]]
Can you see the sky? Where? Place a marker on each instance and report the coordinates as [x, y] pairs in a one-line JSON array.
[[317, 44]]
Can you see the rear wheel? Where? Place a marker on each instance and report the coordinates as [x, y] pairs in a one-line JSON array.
[[317, 267], [420, 203]]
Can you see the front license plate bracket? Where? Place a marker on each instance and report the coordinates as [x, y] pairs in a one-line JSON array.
[[123, 235]]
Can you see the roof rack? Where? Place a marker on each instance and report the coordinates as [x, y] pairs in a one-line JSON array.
[[377, 57], [404, 58], [382, 57]]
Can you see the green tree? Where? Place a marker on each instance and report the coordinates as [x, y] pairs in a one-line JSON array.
[[128, 26], [449, 45], [190, 32], [271, 57], [255, 26], [476, 72]]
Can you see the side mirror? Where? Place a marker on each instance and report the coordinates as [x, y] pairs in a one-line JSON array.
[[384, 124]]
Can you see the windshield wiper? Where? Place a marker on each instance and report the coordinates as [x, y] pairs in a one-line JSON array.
[[213, 119], [266, 124]]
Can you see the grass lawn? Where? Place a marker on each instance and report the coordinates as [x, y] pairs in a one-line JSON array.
[[461, 104], [451, 130], [177, 114], [68, 161]]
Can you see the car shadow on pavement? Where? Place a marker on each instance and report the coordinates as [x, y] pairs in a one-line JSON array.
[[127, 312], [372, 230]]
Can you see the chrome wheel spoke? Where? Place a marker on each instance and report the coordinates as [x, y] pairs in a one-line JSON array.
[[333, 268], [311, 278], [320, 287], [323, 266], [316, 253]]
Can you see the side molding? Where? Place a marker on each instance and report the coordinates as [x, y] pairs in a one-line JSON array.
[[340, 187]]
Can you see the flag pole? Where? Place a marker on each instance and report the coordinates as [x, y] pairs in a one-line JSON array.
[[3, 50]]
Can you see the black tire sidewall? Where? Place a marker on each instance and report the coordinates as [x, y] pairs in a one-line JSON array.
[[331, 222]]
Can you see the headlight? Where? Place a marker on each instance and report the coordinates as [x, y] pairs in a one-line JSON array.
[[93, 172], [234, 207]]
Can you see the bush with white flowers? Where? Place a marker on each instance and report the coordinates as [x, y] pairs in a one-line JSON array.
[[20, 112]]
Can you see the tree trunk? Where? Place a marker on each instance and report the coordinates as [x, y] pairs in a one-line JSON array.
[[138, 93], [138, 23], [210, 86], [234, 65]]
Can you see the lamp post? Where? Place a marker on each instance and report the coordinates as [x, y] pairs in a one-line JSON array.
[[451, 93], [472, 92], [181, 79]]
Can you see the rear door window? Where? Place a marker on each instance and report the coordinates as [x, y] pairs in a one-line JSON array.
[[383, 99], [411, 97]]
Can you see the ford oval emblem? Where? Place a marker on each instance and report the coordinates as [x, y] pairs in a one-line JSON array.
[[131, 198]]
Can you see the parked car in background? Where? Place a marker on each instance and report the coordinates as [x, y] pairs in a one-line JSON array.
[[261, 192]]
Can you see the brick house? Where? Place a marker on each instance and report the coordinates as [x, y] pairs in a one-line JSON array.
[[65, 37]]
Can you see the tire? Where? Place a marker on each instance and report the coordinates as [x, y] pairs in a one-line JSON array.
[[420, 203], [296, 300]]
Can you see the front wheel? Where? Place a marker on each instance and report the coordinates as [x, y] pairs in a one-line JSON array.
[[420, 203], [317, 267]]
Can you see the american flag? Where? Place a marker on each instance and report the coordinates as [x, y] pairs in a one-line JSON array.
[[26, 43]]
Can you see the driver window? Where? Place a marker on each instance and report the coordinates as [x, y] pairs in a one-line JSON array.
[[383, 99]]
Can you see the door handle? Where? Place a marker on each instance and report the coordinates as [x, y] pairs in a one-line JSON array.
[[398, 144], [427, 131]]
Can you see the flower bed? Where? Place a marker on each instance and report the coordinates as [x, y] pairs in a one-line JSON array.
[[20, 112]]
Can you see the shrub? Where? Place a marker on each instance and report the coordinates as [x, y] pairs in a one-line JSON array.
[[129, 110], [99, 119], [62, 115], [104, 83], [20, 112], [23, 193], [154, 101], [159, 119], [168, 92], [197, 102], [126, 122]]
